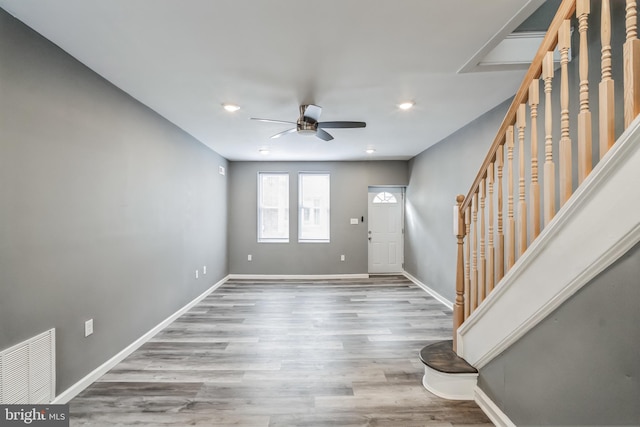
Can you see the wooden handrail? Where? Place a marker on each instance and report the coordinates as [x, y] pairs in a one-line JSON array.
[[489, 247], [566, 9]]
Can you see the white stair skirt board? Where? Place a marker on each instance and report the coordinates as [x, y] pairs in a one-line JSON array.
[[430, 291], [296, 276], [598, 224], [89, 379], [492, 411], [449, 386]]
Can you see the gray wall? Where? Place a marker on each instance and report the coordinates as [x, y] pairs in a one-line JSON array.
[[349, 188], [579, 366], [106, 209], [436, 177]]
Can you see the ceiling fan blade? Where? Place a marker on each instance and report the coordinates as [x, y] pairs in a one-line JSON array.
[[278, 135], [341, 125], [273, 121], [325, 136], [311, 112]]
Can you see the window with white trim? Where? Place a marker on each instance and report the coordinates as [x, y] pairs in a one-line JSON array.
[[314, 207], [384, 197], [273, 207]]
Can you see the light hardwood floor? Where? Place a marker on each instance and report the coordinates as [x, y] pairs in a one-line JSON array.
[[285, 353]]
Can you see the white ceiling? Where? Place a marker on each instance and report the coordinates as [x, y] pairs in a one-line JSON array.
[[356, 58]]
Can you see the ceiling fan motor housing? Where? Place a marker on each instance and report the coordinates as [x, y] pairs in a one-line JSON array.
[[306, 127], [309, 123]]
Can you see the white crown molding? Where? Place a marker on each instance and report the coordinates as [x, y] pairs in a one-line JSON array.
[[598, 224], [90, 378]]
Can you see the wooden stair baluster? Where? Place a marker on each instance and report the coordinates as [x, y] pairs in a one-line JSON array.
[[474, 263], [534, 100], [467, 263], [585, 131], [521, 120], [500, 241], [606, 87], [631, 59], [564, 43], [491, 251], [549, 169], [458, 309], [511, 224], [482, 272]]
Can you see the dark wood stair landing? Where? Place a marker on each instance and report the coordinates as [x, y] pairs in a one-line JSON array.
[[441, 357]]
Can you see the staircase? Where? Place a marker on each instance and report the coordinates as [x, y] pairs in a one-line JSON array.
[[529, 240]]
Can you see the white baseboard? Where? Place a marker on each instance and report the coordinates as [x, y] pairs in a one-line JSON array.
[[89, 379], [296, 276], [430, 291], [492, 411]]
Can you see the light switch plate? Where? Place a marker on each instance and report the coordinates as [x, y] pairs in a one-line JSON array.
[[354, 221], [88, 327]]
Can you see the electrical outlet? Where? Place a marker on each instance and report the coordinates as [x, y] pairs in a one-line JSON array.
[[249, 257], [88, 327], [196, 274], [204, 270], [341, 257]]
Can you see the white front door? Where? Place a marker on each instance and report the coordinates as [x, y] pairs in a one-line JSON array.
[[386, 236]]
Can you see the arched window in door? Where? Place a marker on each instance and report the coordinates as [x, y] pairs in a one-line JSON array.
[[384, 197]]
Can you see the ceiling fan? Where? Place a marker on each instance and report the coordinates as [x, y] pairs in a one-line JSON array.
[[308, 123]]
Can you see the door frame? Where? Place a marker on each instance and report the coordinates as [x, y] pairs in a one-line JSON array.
[[395, 189]]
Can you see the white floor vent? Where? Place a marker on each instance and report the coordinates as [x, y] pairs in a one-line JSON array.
[[28, 371]]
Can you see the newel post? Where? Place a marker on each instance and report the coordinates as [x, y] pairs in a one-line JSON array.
[[458, 308]]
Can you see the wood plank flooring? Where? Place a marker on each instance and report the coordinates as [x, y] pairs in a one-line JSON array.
[[285, 353]]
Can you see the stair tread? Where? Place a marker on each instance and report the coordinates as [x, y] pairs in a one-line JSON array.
[[441, 357]]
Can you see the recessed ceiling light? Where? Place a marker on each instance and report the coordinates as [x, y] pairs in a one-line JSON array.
[[370, 150], [264, 151], [406, 105], [231, 107]]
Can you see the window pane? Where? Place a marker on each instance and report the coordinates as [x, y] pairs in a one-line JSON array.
[[273, 207], [314, 212], [384, 197]]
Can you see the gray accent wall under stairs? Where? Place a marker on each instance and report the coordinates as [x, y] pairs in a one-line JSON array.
[[579, 366]]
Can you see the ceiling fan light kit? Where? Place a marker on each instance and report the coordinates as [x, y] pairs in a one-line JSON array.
[[308, 123]]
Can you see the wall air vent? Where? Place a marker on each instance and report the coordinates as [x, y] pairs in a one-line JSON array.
[[27, 371]]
